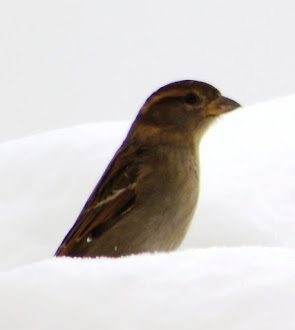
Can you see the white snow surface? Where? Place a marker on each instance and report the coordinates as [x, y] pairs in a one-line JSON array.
[[235, 269]]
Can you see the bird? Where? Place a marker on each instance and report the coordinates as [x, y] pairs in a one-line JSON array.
[[146, 198]]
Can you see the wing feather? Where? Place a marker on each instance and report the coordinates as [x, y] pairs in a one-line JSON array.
[[114, 196]]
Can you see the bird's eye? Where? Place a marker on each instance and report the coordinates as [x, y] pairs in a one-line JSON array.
[[192, 98]]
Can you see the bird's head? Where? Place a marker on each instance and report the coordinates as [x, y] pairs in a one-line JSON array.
[[186, 107]]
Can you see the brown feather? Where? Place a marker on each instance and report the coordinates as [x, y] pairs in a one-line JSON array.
[[113, 197], [146, 198]]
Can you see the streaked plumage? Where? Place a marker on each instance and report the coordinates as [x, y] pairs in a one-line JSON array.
[[148, 193]]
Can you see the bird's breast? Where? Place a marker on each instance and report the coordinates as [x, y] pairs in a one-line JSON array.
[[168, 189]]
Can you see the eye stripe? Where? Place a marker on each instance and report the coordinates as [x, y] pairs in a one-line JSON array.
[[154, 99]]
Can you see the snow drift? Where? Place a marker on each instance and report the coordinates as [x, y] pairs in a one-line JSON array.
[[236, 269]]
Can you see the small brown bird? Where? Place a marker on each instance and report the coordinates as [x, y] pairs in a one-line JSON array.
[[146, 198]]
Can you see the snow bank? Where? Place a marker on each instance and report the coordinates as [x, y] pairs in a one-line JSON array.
[[236, 288], [247, 198]]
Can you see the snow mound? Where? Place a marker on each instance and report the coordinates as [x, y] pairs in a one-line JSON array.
[[246, 199], [215, 288]]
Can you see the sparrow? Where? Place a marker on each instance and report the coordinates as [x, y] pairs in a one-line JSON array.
[[147, 195]]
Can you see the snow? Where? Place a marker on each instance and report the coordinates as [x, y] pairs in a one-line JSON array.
[[216, 288], [235, 269]]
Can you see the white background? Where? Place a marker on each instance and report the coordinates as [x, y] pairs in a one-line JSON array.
[[64, 62], [74, 62]]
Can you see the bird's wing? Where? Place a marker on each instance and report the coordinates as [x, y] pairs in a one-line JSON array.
[[113, 197]]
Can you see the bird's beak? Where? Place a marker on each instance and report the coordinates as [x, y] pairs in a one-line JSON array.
[[220, 106]]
